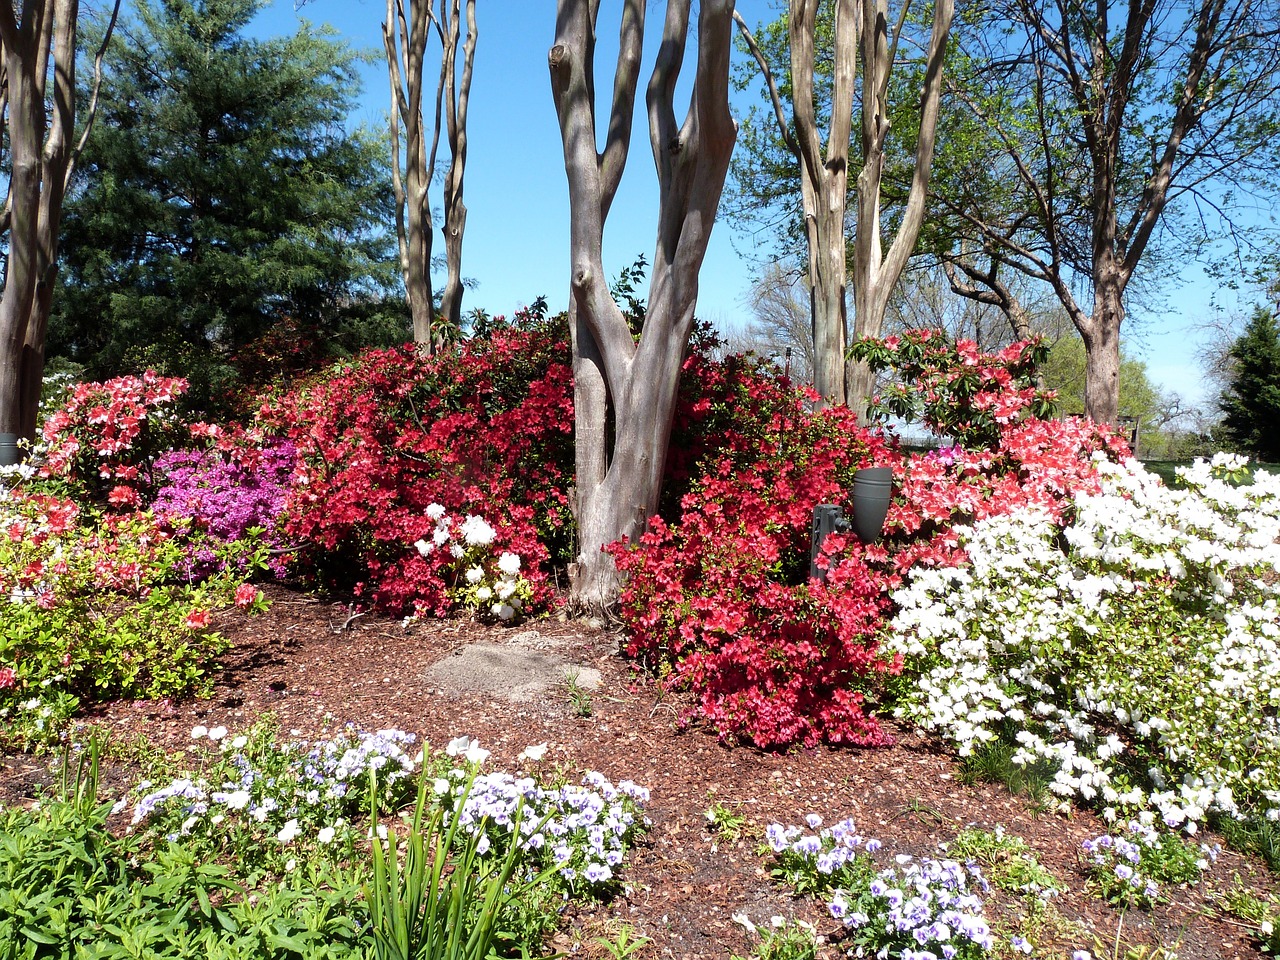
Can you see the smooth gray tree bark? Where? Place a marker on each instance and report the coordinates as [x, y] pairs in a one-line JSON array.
[[617, 377], [405, 34], [861, 29]]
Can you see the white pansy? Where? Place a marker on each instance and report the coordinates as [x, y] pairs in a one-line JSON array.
[[533, 753]]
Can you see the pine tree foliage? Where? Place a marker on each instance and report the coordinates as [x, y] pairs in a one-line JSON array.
[[1251, 403], [221, 194]]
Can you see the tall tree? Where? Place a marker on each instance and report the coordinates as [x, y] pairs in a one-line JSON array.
[[222, 194], [1251, 403], [405, 34], [624, 388], [37, 157], [1088, 125], [855, 29]]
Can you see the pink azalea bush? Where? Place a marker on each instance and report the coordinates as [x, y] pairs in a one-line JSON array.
[[89, 604], [218, 497], [104, 440]]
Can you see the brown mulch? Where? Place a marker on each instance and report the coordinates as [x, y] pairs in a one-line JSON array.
[[310, 663]]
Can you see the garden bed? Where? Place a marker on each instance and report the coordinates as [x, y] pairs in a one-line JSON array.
[[314, 666]]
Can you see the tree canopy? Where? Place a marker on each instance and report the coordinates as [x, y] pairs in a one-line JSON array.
[[221, 193]]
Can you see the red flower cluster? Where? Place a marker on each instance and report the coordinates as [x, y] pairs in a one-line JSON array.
[[720, 597], [955, 388], [108, 434], [486, 430]]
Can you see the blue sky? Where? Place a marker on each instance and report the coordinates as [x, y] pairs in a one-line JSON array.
[[517, 239], [516, 243]]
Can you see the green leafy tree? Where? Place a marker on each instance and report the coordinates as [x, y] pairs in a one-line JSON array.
[[1088, 128], [222, 197], [1064, 371], [1251, 402]]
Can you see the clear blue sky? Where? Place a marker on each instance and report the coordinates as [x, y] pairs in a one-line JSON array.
[[516, 243], [517, 239]]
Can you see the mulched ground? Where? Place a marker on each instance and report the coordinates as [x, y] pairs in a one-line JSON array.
[[310, 663]]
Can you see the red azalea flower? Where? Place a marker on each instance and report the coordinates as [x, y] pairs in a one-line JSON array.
[[196, 620]]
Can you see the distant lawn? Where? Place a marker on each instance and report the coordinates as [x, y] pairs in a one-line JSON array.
[[1165, 468]]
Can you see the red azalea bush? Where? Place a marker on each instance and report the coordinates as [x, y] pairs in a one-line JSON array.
[[485, 431], [718, 596], [103, 442]]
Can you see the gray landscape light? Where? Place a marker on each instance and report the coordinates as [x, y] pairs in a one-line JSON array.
[[10, 452], [872, 494]]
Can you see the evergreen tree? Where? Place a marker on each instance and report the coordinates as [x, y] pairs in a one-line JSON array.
[[1251, 402], [220, 196]]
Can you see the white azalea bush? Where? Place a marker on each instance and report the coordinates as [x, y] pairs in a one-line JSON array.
[[485, 581], [1134, 650]]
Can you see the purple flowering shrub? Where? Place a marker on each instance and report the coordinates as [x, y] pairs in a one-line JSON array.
[[222, 498]]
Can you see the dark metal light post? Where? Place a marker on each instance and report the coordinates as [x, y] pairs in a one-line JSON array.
[[10, 451], [872, 494]]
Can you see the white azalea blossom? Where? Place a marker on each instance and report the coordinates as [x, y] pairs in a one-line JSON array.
[[476, 532], [1156, 629]]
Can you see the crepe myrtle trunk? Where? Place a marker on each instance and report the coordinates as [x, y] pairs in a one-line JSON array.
[[631, 382], [824, 219], [37, 44]]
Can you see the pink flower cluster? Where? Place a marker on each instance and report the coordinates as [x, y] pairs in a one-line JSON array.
[[108, 433]]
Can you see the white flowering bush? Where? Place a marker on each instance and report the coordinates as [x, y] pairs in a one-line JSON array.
[[1133, 650], [484, 581]]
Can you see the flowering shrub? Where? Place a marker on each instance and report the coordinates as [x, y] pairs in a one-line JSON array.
[[718, 594], [484, 431], [1131, 646], [721, 599], [92, 608], [460, 566], [106, 437], [225, 498], [955, 388], [1129, 869]]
